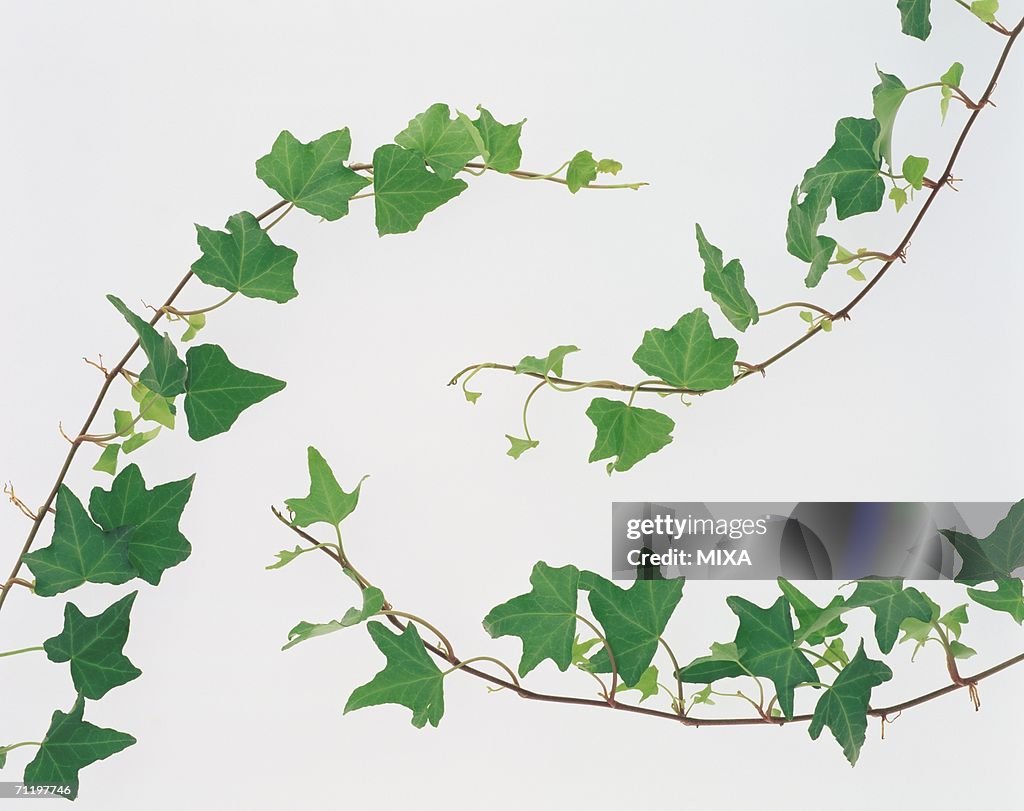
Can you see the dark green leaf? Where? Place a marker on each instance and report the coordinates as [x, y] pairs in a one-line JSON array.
[[551, 363], [165, 372], [405, 191], [373, 602], [410, 677], [544, 618], [326, 503], [94, 646], [891, 604], [851, 168], [499, 142], [802, 238], [726, 284], [626, 432], [447, 144], [218, 391], [723, 663], [79, 551], [1008, 597], [245, 260], [688, 355], [994, 557], [313, 176], [915, 16], [816, 624]]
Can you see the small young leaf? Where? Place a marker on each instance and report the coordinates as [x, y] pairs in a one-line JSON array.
[[326, 503], [405, 191], [898, 196], [313, 176], [582, 171], [1008, 597], [913, 171], [153, 407], [807, 316], [627, 433], [688, 355], [891, 604], [472, 396], [961, 651], [647, 684], [165, 372], [136, 441], [94, 647], [726, 284], [826, 324], [499, 142], [581, 649], [519, 446], [551, 363], [851, 166], [286, 556], [951, 78], [607, 166], [446, 144], [107, 463], [994, 557], [888, 97], [844, 256], [985, 10], [124, 423], [195, 323], [856, 274], [915, 17], [954, 620], [373, 602]]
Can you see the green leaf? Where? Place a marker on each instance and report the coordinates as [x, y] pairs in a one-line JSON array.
[[165, 372], [627, 433], [136, 441], [994, 557], [704, 697], [544, 618], [155, 543], [405, 191], [326, 503], [802, 239], [582, 171], [373, 602], [856, 274], [607, 166], [913, 171], [985, 10], [954, 620], [94, 646], [723, 663], [951, 78], [843, 708], [915, 16], [726, 284], [767, 647], [633, 620], [961, 651], [891, 604], [647, 685], [888, 97], [688, 355], [447, 144], [153, 407], [1008, 597], [195, 322], [807, 316], [581, 649], [218, 391], [313, 176], [851, 168], [472, 396], [79, 551], [519, 446], [816, 624], [286, 556], [834, 654], [107, 463], [826, 324], [551, 363], [898, 196], [499, 142], [410, 677], [70, 745], [124, 423], [245, 260]]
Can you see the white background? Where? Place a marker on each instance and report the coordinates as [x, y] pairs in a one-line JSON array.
[[125, 123]]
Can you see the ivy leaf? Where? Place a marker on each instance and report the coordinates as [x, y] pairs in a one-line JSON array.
[[326, 503], [851, 167], [951, 78], [136, 441], [954, 620], [94, 646], [405, 191], [581, 172], [107, 463], [726, 284], [519, 446], [1008, 597], [985, 10], [915, 16], [153, 407], [994, 557], [313, 176], [834, 654], [373, 602], [581, 649], [816, 624], [218, 391], [723, 663], [165, 372], [844, 706], [245, 260], [410, 677], [70, 745], [499, 142], [888, 97], [551, 363], [961, 651], [647, 685], [544, 618], [628, 433], [633, 620], [286, 556], [767, 647], [79, 551], [155, 543], [195, 322], [447, 144], [898, 196], [891, 604], [913, 171], [124, 423], [802, 239], [688, 355]]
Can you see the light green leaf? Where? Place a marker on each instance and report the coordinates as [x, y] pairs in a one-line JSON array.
[[807, 316], [607, 166], [891, 604], [195, 322], [373, 602], [961, 651], [136, 441], [313, 176], [153, 407], [995, 557], [286, 556], [856, 274], [405, 191], [70, 745], [107, 463], [688, 355], [954, 620], [985, 10], [723, 663], [726, 284], [245, 260], [165, 372], [888, 97], [913, 171], [582, 171], [155, 543], [834, 654], [581, 649], [519, 446], [94, 647], [647, 685], [472, 396], [326, 503], [915, 16], [410, 677], [551, 363], [851, 167], [447, 144], [844, 706], [124, 422], [951, 78], [79, 551], [1008, 597], [218, 391], [499, 143], [627, 433], [826, 324], [898, 196], [544, 618]]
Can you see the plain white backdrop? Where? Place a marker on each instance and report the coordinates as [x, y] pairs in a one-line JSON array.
[[125, 123]]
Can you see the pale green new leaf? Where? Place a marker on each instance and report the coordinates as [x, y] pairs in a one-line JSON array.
[[913, 171], [373, 602], [518, 446], [985, 10], [551, 363], [888, 97], [951, 78], [647, 684]]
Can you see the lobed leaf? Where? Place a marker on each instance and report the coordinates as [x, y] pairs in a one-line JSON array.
[[726, 284], [627, 433]]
